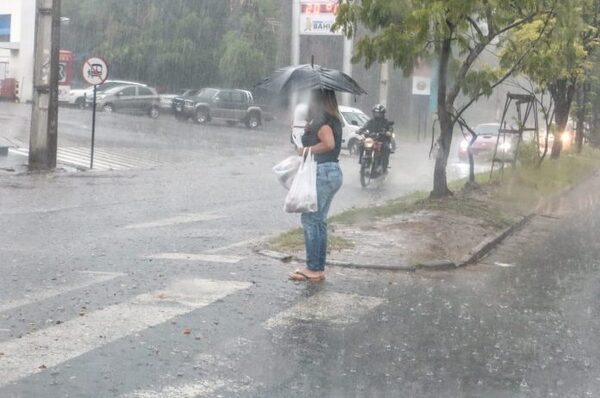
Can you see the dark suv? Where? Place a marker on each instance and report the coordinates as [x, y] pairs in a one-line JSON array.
[[232, 106]]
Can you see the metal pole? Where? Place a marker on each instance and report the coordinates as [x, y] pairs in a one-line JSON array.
[[93, 128], [295, 50], [384, 78], [44, 113], [347, 67]]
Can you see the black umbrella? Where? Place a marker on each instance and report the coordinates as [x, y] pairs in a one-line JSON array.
[[308, 77]]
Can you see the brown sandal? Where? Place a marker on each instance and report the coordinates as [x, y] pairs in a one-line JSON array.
[[300, 276]]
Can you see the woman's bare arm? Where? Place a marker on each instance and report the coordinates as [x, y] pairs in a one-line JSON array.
[[327, 141]]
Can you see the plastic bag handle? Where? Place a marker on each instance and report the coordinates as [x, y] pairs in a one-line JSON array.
[[307, 151]]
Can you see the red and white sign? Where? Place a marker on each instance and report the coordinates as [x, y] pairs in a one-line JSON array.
[[94, 70], [65, 67], [318, 16]]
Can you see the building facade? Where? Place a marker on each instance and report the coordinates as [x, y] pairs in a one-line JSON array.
[[17, 33]]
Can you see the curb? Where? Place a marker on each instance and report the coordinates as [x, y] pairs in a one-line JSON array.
[[474, 255], [286, 258], [490, 243]]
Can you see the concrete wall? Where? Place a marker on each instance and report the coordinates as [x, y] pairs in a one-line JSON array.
[[22, 38]]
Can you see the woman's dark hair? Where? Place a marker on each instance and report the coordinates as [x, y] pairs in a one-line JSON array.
[[323, 101]]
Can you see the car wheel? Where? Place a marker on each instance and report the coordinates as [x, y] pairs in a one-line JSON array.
[[154, 112], [201, 116], [253, 121], [108, 108], [353, 147]]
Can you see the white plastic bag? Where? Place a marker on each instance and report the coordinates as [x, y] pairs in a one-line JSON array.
[[297, 134], [302, 197], [287, 170]]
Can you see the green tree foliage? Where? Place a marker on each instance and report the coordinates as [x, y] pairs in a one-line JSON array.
[[176, 43], [454, 33], [250, 52], [562, 60]]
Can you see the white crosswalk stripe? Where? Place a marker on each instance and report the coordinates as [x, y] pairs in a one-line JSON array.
[[104, 159], [52, 346], [92, 278], [206, 388], [209, 258], [327, 306], [184, 218], [30, 354], [332, 307]]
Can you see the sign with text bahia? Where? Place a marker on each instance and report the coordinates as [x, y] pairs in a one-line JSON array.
[[318, 16]]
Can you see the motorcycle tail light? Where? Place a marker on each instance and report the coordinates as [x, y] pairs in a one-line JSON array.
[[369, 143]]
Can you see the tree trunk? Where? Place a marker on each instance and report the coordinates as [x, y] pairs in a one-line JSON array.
[[582, 99], [561, 117], [440, 180], [562, 92]]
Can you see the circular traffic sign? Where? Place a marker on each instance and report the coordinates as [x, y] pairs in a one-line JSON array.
[[94, 70]]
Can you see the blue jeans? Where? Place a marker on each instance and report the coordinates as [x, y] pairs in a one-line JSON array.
[[329, 181]]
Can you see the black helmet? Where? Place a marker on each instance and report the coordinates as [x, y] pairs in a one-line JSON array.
[[378, 111]]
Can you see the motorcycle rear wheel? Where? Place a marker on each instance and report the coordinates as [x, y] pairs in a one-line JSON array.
[[365, 179]]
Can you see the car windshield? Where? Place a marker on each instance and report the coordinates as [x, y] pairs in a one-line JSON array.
[[189, 93], [108, 85], [355, 118], [207, 93], [487, 129]]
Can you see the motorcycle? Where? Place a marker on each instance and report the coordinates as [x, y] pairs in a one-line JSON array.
[[372, 155]]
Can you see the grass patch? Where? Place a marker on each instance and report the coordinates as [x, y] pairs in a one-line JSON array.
[[497, 203], [293, 241]]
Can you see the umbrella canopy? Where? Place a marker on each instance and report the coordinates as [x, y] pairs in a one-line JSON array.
[[308, 77]]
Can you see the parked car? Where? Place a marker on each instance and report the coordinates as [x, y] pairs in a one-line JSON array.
[[74, 97], [352, 120], [130, 99], [166, 100], [107, 85], [232, 106], [178, 103], [485, 143]]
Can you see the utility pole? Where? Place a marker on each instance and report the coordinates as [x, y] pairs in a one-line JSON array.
[[384, 79], [295, 50], [44, 114], [347, 66]]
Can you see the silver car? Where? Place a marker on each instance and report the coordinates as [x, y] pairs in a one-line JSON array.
[[130, 99]]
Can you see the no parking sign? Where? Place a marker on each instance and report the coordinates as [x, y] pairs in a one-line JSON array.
[[94, 71]]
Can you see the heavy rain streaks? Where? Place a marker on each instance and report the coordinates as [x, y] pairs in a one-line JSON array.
[[163, 271]]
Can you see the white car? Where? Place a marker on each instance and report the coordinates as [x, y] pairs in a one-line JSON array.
[[352, 120], [74, 97]]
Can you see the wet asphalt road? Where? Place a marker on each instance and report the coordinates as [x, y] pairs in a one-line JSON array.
[[102, 296]]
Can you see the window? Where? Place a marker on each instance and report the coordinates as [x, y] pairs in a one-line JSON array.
[[144, 91], [206, 93], [359, 119], [4, 28], [224, 96], [128, 91], [237, 97]]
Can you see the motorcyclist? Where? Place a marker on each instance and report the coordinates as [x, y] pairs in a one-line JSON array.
[[379, 124]]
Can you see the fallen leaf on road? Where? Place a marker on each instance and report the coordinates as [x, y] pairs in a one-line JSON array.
[[42, 366], [187, 331], [162, 296]]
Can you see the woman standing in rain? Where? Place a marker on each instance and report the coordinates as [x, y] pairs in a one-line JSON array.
[[323, 136]]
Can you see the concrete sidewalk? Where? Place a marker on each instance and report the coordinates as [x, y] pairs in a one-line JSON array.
[[423, 234]]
